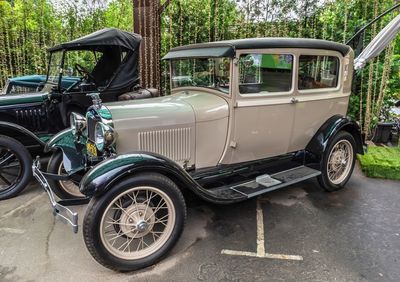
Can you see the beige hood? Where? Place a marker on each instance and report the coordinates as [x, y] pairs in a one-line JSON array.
[[165, 125], [150, 114]]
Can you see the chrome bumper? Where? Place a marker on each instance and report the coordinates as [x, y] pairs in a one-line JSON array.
[[59, 210]]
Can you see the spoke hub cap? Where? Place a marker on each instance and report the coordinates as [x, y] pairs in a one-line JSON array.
[[137, 220], [340, 162], [137, 223]]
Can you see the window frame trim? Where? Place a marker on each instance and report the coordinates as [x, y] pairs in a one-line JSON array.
[[192, 87], [320, 90], [266, 94]]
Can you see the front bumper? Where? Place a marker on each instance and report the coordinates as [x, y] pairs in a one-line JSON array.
[[59, 208]]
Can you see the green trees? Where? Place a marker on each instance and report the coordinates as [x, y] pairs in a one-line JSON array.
[[28, 27]]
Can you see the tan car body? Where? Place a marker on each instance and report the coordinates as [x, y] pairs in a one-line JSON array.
[[200, 127]]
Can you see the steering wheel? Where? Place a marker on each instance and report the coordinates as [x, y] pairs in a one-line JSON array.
[[84, 72]]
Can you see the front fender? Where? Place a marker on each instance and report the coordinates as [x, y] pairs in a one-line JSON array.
[[103, 176], [73, 152], [318, 144], [21, 134]]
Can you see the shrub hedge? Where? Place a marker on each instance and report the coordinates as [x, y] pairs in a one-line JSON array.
[[381, 162]]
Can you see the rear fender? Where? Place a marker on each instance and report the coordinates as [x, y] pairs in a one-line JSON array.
[[73, 151], [100, 179], [21, 134], [318, 144]]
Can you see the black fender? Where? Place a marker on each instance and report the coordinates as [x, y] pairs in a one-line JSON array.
[[73, 151], [316, 147], [103, 176], [21, 134]]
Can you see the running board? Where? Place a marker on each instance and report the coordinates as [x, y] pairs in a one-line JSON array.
[[265, 183]]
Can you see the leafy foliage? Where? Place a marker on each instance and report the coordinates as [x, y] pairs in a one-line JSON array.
[[28, 27], [381, 162]]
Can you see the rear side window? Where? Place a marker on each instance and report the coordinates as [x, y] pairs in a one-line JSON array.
[[316, 72], [265, 73]]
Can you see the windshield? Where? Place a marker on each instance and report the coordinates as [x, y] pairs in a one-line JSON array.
[[201, 72], [96, 68], [86, 59], [54, 67]]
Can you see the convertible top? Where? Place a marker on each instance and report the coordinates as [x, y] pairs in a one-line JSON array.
[[102, 38], [228, 48], [117, 68]]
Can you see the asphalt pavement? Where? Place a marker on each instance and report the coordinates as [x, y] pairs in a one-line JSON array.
[[302, 232]]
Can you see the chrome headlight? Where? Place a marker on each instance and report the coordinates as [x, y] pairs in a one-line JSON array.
[[78, 123], [105, 136]]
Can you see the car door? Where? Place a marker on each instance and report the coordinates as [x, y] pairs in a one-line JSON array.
[[263, 112], [319, 96]]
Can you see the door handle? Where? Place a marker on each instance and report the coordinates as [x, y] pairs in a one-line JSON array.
[[294, 100]]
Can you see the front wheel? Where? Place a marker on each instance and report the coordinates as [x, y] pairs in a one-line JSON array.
[[136, 223], [338, 162], [15, 167], [64, 189]]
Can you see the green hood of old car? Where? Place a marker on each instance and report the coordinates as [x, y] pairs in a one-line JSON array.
[[27, 98]]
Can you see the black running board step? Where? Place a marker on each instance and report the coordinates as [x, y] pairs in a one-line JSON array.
[[266, 183]]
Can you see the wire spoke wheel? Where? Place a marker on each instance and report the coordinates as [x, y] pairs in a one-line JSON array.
[[68, 185], [137, 223], [10, 168], [340, 161]]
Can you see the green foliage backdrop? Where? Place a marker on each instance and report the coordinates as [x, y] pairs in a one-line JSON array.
[[28, 27]]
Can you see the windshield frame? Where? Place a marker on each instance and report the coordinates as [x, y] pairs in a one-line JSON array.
[[218, 90], [60, 68]]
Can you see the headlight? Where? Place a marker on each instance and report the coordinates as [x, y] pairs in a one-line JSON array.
[[105, 136], [78, 123]]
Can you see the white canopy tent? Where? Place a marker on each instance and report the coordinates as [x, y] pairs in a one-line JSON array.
[[378, 44]]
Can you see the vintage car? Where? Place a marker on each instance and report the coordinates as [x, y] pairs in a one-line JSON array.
[[245, 117], [105, 61], [32, 84]]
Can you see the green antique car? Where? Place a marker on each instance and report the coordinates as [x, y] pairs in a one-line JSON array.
[[105, 61], [32, 84]]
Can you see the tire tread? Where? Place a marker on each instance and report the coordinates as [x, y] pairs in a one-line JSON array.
[[26, 158], [323, 178], [90, 215]]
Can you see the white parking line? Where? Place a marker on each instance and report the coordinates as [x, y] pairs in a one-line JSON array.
[[260, 230], [12, 230], [260, 242]]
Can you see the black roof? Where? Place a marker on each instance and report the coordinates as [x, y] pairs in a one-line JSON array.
[[227, 48], [116, 69], [102, 39]]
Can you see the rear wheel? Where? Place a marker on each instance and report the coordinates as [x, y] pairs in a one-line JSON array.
[[15, 167], [63, 189], [136, 223], [338, 162]]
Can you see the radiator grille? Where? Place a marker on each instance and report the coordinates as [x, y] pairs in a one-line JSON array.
[[32, 119], [91, 126], [172, 143]]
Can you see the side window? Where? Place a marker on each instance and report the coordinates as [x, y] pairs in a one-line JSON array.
[[265, 73], [316, 72]]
